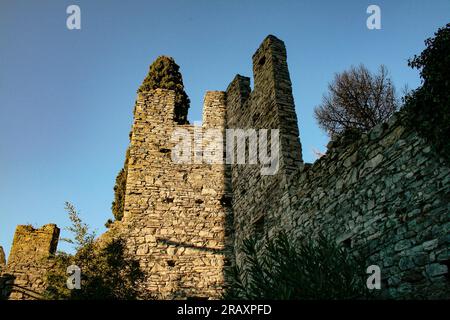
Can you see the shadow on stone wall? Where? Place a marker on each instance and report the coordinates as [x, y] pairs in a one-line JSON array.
[[188, 245], [10, 289], [6, 285]]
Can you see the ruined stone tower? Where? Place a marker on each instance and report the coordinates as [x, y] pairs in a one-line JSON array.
[[179, 217], [176, 215]]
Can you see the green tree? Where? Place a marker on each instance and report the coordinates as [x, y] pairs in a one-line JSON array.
[[429, 106], [164, 74], [118, 204], [311, 270], [106, 271]]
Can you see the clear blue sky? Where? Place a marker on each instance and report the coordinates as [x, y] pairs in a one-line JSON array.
[[66, 97]]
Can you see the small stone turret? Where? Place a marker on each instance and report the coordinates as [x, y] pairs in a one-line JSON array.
[[23, 277], [214, 110], [32, 245]]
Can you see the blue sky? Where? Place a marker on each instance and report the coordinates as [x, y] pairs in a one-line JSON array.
[[66, 97]]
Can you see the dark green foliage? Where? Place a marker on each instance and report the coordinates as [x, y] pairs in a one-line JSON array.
[[108, 223], [429, 106], [164, 74], [118, 204], [313, 270], [106, 272]]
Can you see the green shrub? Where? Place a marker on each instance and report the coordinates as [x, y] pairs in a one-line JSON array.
[[106, 271], [428, 107], [312, 270]]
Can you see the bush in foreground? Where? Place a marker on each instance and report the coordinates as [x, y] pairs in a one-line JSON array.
[[318, 269]]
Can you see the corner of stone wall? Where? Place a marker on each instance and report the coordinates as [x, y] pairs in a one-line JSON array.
[[257, 198], [273, 102]]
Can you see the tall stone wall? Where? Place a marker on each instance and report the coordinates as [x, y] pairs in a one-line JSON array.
[[270, 105], [385, 197], [176, 214], [24, 274]]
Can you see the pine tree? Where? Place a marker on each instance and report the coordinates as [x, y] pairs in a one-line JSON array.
[[118, 204], [164, 74]]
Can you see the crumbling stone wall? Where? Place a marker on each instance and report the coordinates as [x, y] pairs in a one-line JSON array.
[[385, 196], [176, 215], [24, 274]]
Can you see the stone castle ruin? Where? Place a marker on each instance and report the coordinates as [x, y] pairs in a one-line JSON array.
[[385, 195], [23, 277]]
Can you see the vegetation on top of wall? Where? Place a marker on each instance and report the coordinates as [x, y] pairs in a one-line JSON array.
[[106, 271], [164, 74], [428, 107], [357, 100], [319, 269]]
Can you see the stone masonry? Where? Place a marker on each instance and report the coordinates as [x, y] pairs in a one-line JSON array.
[[176, 215], [24, 274], [384, 196], [269, 106]]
